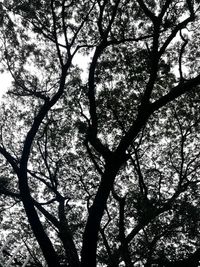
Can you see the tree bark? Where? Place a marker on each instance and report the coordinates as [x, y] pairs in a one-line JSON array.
[[66, 237], [90, 236], [38, 230]]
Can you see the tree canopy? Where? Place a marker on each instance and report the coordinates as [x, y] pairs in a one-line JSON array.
[[100, 166]]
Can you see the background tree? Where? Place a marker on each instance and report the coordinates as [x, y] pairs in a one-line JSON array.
[[101, 167]]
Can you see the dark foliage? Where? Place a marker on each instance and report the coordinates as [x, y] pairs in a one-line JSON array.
[[100, 140]]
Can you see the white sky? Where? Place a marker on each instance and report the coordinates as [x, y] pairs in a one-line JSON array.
[[5, 78], [5, 82]]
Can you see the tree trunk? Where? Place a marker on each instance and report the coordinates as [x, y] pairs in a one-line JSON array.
[[66, 237], [90, 236], [42, 238]]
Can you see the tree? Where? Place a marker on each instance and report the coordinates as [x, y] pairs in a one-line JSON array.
[[102, 165]]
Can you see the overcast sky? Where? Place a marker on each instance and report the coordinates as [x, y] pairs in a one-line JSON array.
[[5, 82], [5, 78]]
